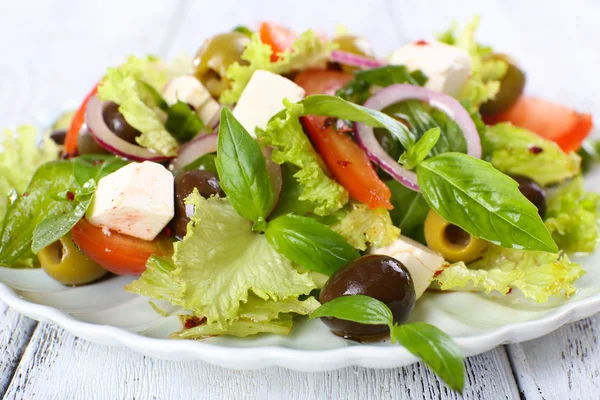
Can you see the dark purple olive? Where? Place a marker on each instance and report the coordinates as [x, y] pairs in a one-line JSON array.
[[117, 124], [207, 184], [58, 136], [378, 276], [533, 192]]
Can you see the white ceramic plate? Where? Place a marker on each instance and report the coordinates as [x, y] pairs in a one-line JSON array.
[[105, 313]]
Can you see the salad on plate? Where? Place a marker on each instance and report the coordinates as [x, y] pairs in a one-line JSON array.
[[279, 175]]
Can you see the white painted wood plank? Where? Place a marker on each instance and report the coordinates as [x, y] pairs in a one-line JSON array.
[[562, 365], [15, 332], [82, 370]]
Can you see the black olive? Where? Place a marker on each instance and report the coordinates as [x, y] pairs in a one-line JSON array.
[[377, 276], [533, 192], [207, 184], [117, 124], [58, 136]]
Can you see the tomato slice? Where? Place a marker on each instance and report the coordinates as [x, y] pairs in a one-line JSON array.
[[72, 136], [563, 125], [118, 253], [278, 37], [346, 160]]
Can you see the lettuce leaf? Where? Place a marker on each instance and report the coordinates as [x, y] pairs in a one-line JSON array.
[[308, 50], [290, 145], [538, 275], [20, 157], [217, 266], [362, 226], [572, 217], [486, 74], [126, 86], [512, 154]]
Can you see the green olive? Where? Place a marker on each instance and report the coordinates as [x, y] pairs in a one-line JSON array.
[[451, 241], [63, 261], [355, 45], [511, 88], [215, 56], [86, 144]]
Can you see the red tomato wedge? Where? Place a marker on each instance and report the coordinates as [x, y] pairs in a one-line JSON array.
[[72, 136], [118, 253], [552, 121], [277, 36], [346, 160]]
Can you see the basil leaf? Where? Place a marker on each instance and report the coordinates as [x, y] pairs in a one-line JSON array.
[[289, 199], [30, 209], [437, 350], [356, 308], [242, 170], [358, 90], [56, 226], [413, 156], [96, 167], [332, 106], [410, 210], [310, 244], [472, 194], [421, 117], [182, 122]]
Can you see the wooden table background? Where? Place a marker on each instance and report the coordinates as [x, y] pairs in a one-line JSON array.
[[53, 51]]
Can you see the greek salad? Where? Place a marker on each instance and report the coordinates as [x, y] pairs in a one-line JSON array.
[[278, 175]]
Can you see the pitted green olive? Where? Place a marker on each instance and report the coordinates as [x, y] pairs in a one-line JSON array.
[[451, 241], [511, 88], [63, 261], [215, 56]]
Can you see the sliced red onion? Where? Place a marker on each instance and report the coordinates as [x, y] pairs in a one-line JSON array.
[[354, 60], [94, 119], [401, 92], [191, 151]]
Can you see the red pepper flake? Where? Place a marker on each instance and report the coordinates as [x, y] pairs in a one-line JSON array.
[[70, 196], [438, 273], [193, 322], [329, 121], [344, 163], [535, 149], [421, 43], [509, 291], [97, 162], [25, 194]]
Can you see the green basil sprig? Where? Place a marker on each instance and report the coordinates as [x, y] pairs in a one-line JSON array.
[[243, 170], [182, 122], [410, 210], [310, 244], [437, 350], [472, 194], [414, 155]]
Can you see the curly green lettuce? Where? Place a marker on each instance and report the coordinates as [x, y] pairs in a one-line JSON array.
[[126, 86], [219, 264], [572, 217], [308, 50], [20, 157], [538, 275], [518, 151], [486, 74], [290, 145], [361, 226]]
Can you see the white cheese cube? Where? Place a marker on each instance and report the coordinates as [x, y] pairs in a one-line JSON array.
[[136, 200], [189, 90], [421, 262], [263, 97], [447, 67]]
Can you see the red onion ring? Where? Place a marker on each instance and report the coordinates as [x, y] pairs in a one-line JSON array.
[[94, 119], [354, 60], [401, 92], [191, 151]]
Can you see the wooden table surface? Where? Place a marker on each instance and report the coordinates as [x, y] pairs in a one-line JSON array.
[[53, 51]]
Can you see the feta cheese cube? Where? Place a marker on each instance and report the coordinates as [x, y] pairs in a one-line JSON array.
[[189, 90], [421, 262], [447, 67], [136, 200], [263, 97]]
